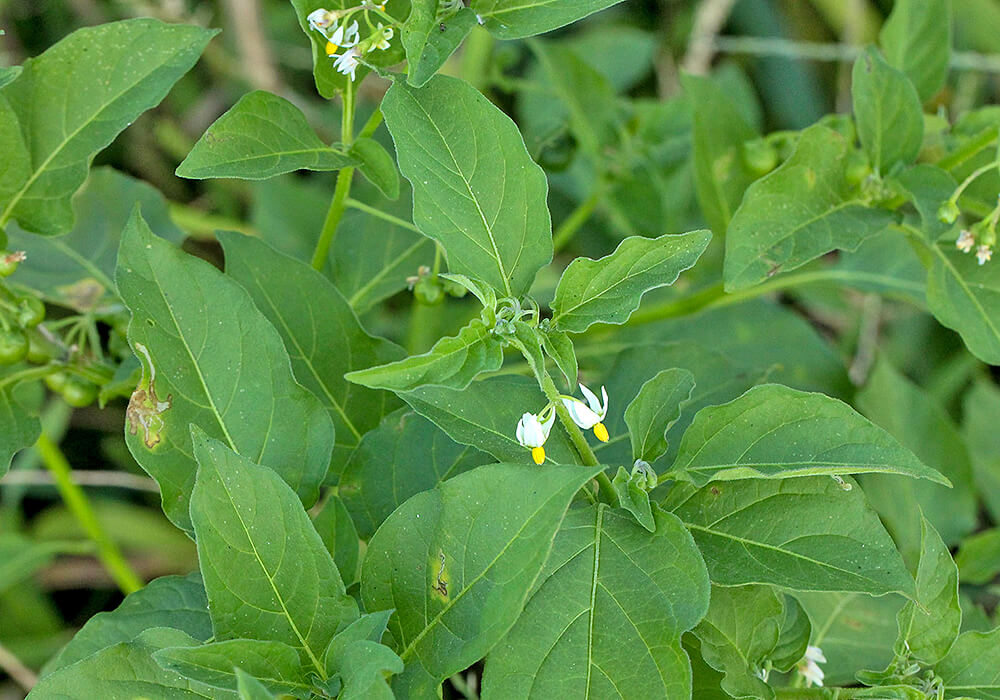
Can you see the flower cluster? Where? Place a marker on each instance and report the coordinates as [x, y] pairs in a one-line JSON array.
[[809, 668], [533, 429], [967, 241], [343, 37]]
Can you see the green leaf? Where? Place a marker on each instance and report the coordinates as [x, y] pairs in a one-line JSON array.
[[169, 601], [774, 432], [458, 569], [8, 74], [917, 40], [632, 491], [73, 100], [853, 630], [929, 624], [965, 297], [979, 431], [404, 455], [275, 664], [320, 332], [77, 270], [261, 136], [453, 362], [802, 210], [794, 637], [720, 175], [559, 348], [608, 290], [927, 187], [249, 688], [440, 45], [415, 34], [887, 111], [18, 428], [475, 189], [485, 415], [972, 667], [15, 169], [336, 529], [655, 409], [807, 534], [915, 419], [885, 264], [267, 573], [516, 19], [366, 666], [126, 670], [706, 681], [368, 627], [607, 615], [228, 373], [978, 558], [377, 165], [21, 557], [738, 634]]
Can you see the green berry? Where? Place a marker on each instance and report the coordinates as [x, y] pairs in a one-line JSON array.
[[948, 212], [428, 292], [759, 156], [32, 312], [9, 262], [13, 346], [78, 392], [56, 381], [857, 168]]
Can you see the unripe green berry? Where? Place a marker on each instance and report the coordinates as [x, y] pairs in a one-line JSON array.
[[13, 346]]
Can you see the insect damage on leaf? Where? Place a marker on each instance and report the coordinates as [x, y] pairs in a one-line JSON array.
[[440, 585], [145, 409]]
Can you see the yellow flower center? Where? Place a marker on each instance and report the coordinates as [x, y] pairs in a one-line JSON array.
[[331, 48], [538, 454], [601, 432]]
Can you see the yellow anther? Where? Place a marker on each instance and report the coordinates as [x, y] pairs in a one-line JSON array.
[[538, 454], [331, 48], [601, 432]]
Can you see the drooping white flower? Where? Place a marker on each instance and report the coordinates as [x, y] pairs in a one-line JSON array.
[[532, 432], [343, 37], [320, 20], [347, 62], [809, 668], [589, 415], [965, 241], [380, 37], [983, 254]]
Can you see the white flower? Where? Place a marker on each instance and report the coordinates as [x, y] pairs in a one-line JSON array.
[[343, 37], [347, 62], [589, 415], [380, 38], [983, 254], [809, 668], [965, 241], [320, 20], [532, 432]]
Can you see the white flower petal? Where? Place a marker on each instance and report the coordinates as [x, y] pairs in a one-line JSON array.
[[581, 414]]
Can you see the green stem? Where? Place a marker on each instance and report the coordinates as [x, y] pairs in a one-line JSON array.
[[76, 500], [968, 150], [361, 206], [421, 333], [333, 216], [576, 219], [372, 124]]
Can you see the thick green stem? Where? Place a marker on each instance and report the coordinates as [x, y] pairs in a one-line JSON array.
[[76, 500], [333, 216], [564, 234]]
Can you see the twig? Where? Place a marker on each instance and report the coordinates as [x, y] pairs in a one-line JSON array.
[[709, 19], [16, 669], [864, 356], [251, 43], [81, 477]]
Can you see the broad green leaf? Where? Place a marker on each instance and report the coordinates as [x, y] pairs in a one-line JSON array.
[[965, 297], [267, 573], [249, 688], [622, 53], [170, 601], [885, 264], [978, 558], [917, 40], [368, 627], [853, 630], [706, 682], [794, 637], [321, 334], [485, 415], [887, 112], [738, 634], [608, 290], [774, 432], [807, 534], [453, 362], [458, 570], [607, 615], [559, 348], [336, 529], [366, 667], [18, 428], [261, 136], [275, 664], [416, 33], [15, 168], [632, 490], [927, 187], [377, 165], [77, 270], [475, 189], [720, 175], [980, 406], [655, 409], [404, 455], [914, 418], [515, 19], [972, 667], [929, 624], [440, 45], [126, 671], [73, 100], [802, 210], [228, 373]]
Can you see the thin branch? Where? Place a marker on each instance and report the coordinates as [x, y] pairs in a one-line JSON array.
[[16, 669], [709, 19], [94, 478]]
